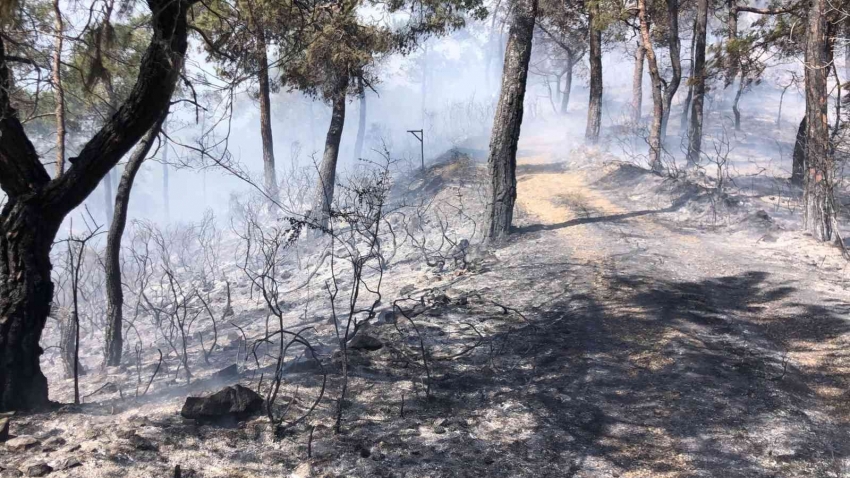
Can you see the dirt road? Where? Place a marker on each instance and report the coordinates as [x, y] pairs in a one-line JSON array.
[[665, 350]]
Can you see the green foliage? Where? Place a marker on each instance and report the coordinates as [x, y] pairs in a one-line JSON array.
[[99, 65], [769, 38], [338, 47], [318, 46]]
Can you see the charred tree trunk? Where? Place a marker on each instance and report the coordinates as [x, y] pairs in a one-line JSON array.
[[820, 209], [698, 83], [327, 171], [657, 94], [798, 168], [676, 62], [269, 173], [114, 293], [568, 82], [594, 109], [637, 84], [508, 121], [36, 204], [686, 108], [26, 291], [361, 124]]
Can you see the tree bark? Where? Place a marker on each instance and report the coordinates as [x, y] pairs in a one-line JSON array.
[[114, 293], [657, 95], [698, 84], [798, 168], [676, 62], [327, 171], [269, 173], [26, 291], [36, 204], [508, 121], [637, 84], [820, 209], [59, 90], [594, 109], [361, 125]]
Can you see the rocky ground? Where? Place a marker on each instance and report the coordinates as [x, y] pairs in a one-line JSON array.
[[634, 326]]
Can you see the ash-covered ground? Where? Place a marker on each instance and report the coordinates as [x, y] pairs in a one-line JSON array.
[[634, 325]]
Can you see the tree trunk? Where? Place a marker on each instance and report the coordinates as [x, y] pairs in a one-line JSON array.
[[735, 111], [59, 90], [26, 292], [675, 61], [67, 341], [568, 86], [36, 205], [269, 173], [847, 49], [166, 198], [732, 56], [820, 210], [558, 93], [781, 99], [107, 196], [327, 171], [657, 95], [698, 83], [798, 168], [114, 293], [508, 121], [361, 125], [568, 82], [733, 66], [594, 109], [686, 108], [637, 85]]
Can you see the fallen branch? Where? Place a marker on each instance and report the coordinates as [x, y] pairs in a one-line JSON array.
[[158, 365]]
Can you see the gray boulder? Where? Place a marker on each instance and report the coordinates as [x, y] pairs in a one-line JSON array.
[[229, 404], [362, 341]]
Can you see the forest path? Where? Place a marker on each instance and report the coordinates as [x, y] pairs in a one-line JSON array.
[[690, 353]]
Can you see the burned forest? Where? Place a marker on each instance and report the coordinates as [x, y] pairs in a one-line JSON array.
[[442, 238]]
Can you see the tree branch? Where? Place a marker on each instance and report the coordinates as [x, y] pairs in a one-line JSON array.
[[215, 49], [21, 171], [768, 11], [148, 102]]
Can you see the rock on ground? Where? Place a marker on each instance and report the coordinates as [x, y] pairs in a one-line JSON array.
[[236, 402]]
